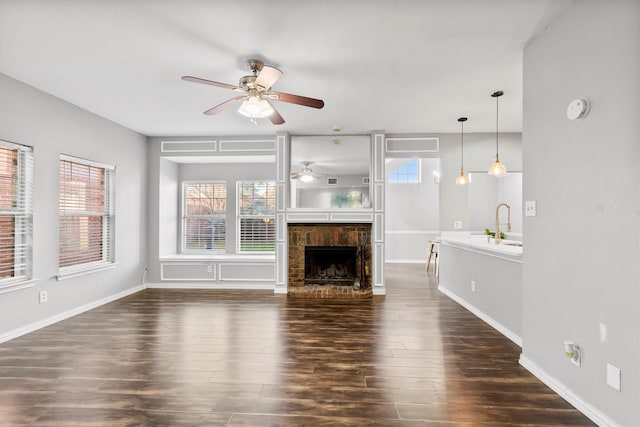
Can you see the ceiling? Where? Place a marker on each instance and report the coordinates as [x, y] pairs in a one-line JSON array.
[[410, 66]]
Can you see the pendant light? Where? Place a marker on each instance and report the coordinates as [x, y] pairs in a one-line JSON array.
[[497, 168], [462, 179]]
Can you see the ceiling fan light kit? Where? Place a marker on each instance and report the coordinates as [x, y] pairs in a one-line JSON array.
[[256, 108], [257, 92]]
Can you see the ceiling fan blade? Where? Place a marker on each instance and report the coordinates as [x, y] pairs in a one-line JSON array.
[[295, 175], [268, 76], [220, 107], [210, 82], [297, 99], [275, 117]]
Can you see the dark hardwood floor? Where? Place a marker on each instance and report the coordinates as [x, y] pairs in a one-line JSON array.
[[251, 358]]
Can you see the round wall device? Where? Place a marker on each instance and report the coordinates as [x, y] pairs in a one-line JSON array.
[[578, 109]]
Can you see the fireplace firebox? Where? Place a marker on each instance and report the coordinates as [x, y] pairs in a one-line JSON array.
[[330, 265]]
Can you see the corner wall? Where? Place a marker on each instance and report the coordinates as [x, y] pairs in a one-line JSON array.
[[580, 272], [52, 126]]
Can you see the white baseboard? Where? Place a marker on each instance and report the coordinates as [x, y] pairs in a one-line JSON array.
[[587, 409], [482, 315], [377, 291], [211, 285], [67, 314], [406, 261]]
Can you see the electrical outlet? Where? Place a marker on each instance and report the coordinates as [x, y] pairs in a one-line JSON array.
[[457, 225], [473, 286], [43, 297], [613, 376], [530, 208]]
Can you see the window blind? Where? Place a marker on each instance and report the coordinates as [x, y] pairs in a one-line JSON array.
[[86, 207], [256, 216], [204, 208], [16, 212]]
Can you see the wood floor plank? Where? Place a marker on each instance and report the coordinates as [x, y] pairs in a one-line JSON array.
[[166, 357]]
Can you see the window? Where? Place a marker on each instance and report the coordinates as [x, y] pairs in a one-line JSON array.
[[204, 213], [256, 216], [16, 213], [87, 219], [408, 173]]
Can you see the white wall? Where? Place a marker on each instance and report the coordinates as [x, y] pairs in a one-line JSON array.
[[479, 153], [580, 274], [52, 127], [486, 192], [412, 214]]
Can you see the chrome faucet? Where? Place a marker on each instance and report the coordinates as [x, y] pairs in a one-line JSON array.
[[498, 239]]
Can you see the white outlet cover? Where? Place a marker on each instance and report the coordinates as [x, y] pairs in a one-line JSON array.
[[530, 208], [457, 224], [613, 376]]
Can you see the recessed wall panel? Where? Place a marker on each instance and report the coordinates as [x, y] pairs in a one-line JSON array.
[[188, 146], [247, 272], [188, 272], [229, 146]]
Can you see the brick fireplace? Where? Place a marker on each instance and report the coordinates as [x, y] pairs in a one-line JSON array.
[[348, 240]]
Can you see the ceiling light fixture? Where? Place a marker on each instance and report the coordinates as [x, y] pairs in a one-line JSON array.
[[462, 178], [305, 173], [306, 177], [255, 107], [497, 168]]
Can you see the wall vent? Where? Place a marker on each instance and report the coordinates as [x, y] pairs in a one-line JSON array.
[[332, 181]]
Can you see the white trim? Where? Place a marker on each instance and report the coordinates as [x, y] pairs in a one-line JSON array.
[[379, 290], [404, 261], [67, 314], [581, 405], [483, 251], [63, 275], [221, 265], [483, 316], [87, 162], [412, 232], [215, 146], [211, 285], [399, 139], [16, 286], [279, 290], [232, 149], [198, 264]]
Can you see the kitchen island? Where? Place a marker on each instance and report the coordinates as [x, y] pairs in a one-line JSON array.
[[485, 278]]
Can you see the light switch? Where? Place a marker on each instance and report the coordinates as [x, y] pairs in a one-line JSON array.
[[530, 208], [457, 224], [613, 376]]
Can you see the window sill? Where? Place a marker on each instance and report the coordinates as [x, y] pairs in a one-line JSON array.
[[81, 272], [17, 285], [219, 257]]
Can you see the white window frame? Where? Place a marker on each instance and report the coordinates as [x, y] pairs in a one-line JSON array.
[[108, 223], [239, 218], [23, 216], [418, 173], [183, 216]]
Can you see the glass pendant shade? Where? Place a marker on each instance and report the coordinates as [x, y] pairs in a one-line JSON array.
[[497, 168], [255, 108], [462, 179]]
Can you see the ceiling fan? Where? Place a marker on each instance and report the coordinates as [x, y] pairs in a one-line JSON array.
[[257, 93], [306, 174]]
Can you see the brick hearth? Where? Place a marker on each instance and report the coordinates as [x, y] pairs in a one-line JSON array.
[[302, 235]]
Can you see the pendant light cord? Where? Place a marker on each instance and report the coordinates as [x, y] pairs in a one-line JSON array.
[[497, 126], [462, 144]]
